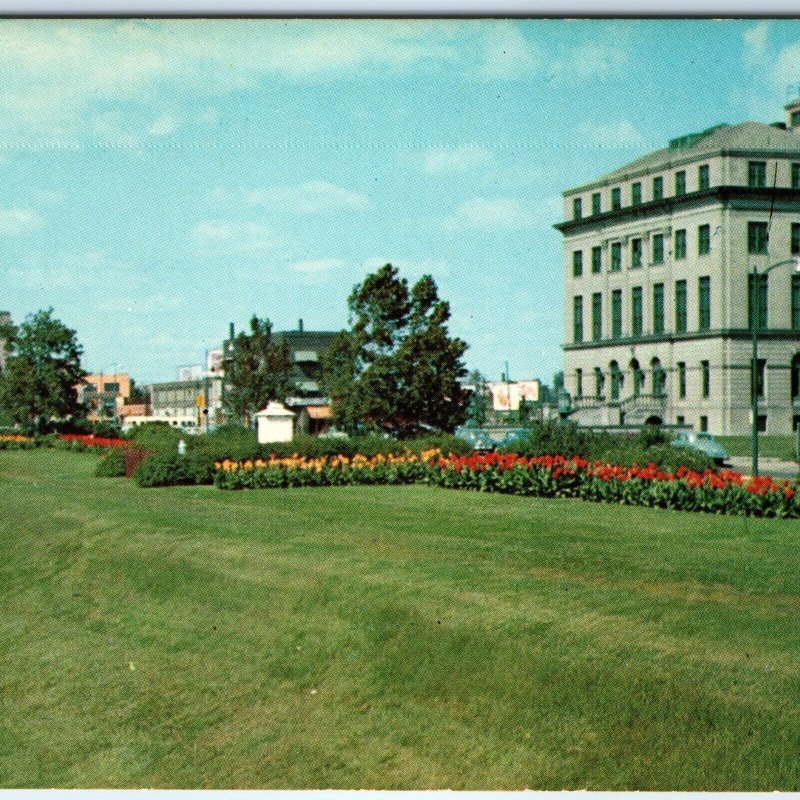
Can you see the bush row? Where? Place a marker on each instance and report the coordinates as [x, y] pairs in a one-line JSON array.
[[650, 444]]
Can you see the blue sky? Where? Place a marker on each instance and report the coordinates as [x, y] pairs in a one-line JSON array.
[[159, 179]]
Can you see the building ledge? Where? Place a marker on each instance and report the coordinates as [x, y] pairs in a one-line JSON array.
[[670, 338]]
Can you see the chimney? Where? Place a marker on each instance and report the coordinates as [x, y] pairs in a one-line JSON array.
[[300, 325], [793, 116]]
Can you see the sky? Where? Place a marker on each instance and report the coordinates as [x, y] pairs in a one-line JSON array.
[[162, 178]]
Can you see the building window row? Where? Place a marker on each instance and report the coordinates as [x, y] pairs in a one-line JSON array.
[[757, 178], [637, 321], [637, 192]]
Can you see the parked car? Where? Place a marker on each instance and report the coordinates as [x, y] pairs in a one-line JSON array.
[[703, 443]]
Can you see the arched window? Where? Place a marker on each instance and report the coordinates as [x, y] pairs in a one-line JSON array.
[[616, 379], [796, 377], [638, 377], [659, 377]]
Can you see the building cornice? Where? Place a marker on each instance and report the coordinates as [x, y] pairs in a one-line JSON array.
[[744, 198], [719, 333]]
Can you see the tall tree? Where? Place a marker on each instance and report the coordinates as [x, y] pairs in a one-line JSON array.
[[260, 369], [42, 371], [397, 364]]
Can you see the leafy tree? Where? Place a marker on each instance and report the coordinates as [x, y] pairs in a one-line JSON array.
[[138, 394], [42, 371], [260, 369], [397, 365]]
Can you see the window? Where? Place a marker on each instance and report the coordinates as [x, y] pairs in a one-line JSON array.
[[705, 372], [659, 377], [680, 183], [757, 174], [637, 326], [599, 381], [682, 380], [658, 188], [680, 243], [658, 248], [758, 302], [680, 420], [680, 306], [795, 118], [795, 379], [577, 319], [761, 368], [704, 424], [795, 242], [577, 213], [658, 308], [704, 303], [577, 263], [597, 317], [703, 177], [636, 253], [616, 199], [579, 383], [596, 206], [597, 260], [757, 237], [616, 314], [111, 387], [703, 240], [636, 194], [616, 256], [795, 176], [796, 302]]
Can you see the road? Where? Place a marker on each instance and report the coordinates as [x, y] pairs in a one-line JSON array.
[[766, 466]]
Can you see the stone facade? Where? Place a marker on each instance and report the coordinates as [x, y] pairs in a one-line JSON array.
[[661, 329]]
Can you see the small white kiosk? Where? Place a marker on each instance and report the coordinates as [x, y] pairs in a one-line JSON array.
[[275, 423]]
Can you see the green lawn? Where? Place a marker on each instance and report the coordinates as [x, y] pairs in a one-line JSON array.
[[374, 637], [769, 446]]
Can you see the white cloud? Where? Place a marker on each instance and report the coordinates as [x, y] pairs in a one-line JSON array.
[[311, 197], [493, 214], [590, 60], [220, 237], [507, 53], [622, 133], [318, 265], [455, 159], [754, 51], [164, 125], [16, 221]]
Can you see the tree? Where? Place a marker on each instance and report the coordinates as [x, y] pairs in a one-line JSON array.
[[397, 365], [42, 371], [139, 394], [260, 369]]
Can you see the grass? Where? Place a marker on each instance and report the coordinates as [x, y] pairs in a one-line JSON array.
[[374, 637], [769, 446]]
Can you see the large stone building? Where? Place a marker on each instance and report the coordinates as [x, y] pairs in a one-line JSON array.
[[658, 257]]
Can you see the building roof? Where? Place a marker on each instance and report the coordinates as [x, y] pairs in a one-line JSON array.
[[746, 137]]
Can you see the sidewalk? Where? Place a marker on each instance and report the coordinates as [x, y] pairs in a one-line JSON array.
[[766, 466]]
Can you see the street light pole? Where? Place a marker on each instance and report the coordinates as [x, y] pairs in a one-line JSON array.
[[755, 320]]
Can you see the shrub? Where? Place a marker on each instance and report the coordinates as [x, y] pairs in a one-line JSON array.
[[163, 469], [111, 464], [157, 436]]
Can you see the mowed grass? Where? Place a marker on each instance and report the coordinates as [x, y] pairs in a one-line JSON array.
[[387, 637]]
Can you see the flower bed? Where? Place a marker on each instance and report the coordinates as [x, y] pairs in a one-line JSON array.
[[719, 492], [275, 472], [90, 440]]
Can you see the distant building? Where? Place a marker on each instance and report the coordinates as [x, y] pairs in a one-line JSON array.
[[104, 394], [192, 372], [188, 404], [658, 257]]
